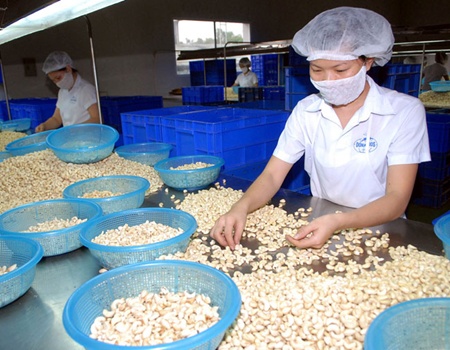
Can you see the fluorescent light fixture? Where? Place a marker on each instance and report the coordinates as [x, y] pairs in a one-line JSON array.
[[52, 15]]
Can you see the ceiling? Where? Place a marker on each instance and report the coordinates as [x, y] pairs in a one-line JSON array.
[[13, 10]]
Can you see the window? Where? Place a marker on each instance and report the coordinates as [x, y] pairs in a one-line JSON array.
[[197, 35]]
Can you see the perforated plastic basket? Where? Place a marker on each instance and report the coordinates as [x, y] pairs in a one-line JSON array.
[[440, 86], [130, 191], [148, 153], [416, 324], [24, 252], [192, 179], [83, 143], [21, 124], [88, 301], [114, 256], [19, 219], [4, 155], [31, 143], [442, 230]]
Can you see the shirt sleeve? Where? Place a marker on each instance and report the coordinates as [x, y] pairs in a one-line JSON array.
[[291, 144], [411, 144]]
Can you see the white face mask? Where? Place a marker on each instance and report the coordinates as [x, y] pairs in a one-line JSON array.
[[342, 91], [66, 82], [244, 70]]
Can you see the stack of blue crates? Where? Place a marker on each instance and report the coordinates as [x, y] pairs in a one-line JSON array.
[[37, 109], [400, 77], [432, 188], [145, 125], [206, 94], [266, 68], [212, 72], [298, 85], [273, 93], [240, 136], [113, 106], [296, 60]]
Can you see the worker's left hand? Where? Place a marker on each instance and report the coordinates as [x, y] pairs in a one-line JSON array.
[[316, 233]]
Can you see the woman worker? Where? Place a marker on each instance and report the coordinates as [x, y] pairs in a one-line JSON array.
[[362, 143], [77, 99], [247, 78], [435, 71]]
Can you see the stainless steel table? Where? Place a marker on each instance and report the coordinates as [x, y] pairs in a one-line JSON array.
[[34, 321]]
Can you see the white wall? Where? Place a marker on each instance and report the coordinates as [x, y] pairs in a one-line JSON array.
[[134, 41]]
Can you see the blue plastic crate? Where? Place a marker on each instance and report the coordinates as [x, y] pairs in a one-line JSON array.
[[292, 100], [266, 67], [37, 109], [403, 78], [295, 59], [248, 94], [431, 193], [113, 106], [195, 95], [298, 81], [212, 72], [438, 168], [3, 111], [438, 124], [239, 136], [145, 125], [264, 104], [274, 93], [297, 179]]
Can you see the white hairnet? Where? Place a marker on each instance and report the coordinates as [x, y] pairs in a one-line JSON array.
[[345, 33], [55, 61]]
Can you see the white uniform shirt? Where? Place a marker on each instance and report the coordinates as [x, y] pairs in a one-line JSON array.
[[342, 169], [73, 103], [247, 80]]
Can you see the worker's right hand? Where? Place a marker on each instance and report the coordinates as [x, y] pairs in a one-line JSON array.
[[229, 227], [40, 128]]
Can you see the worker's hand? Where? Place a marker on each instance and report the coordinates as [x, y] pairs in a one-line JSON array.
[[229, 227], [40, 128], [316, 233]]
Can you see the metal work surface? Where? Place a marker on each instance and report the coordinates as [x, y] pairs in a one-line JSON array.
[[34, 321]]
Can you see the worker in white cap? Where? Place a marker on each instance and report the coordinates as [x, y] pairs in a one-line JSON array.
[[362, 143], [77, 98]]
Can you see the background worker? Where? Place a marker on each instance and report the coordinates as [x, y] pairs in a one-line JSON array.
[[435, 71], [247, 78], [77, 98]]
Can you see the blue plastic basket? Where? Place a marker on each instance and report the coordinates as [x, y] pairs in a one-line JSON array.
[[190, 180], [22, 124], [148, 153], [83, 143], [15, 221], [4, 155], [88, 301], [442, 230], [413, 325], [31, 143], [114, 256], [24, 252], [440, 86], [132, 189]]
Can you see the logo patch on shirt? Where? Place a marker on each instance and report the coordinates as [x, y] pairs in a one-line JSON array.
[[360, 145]]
